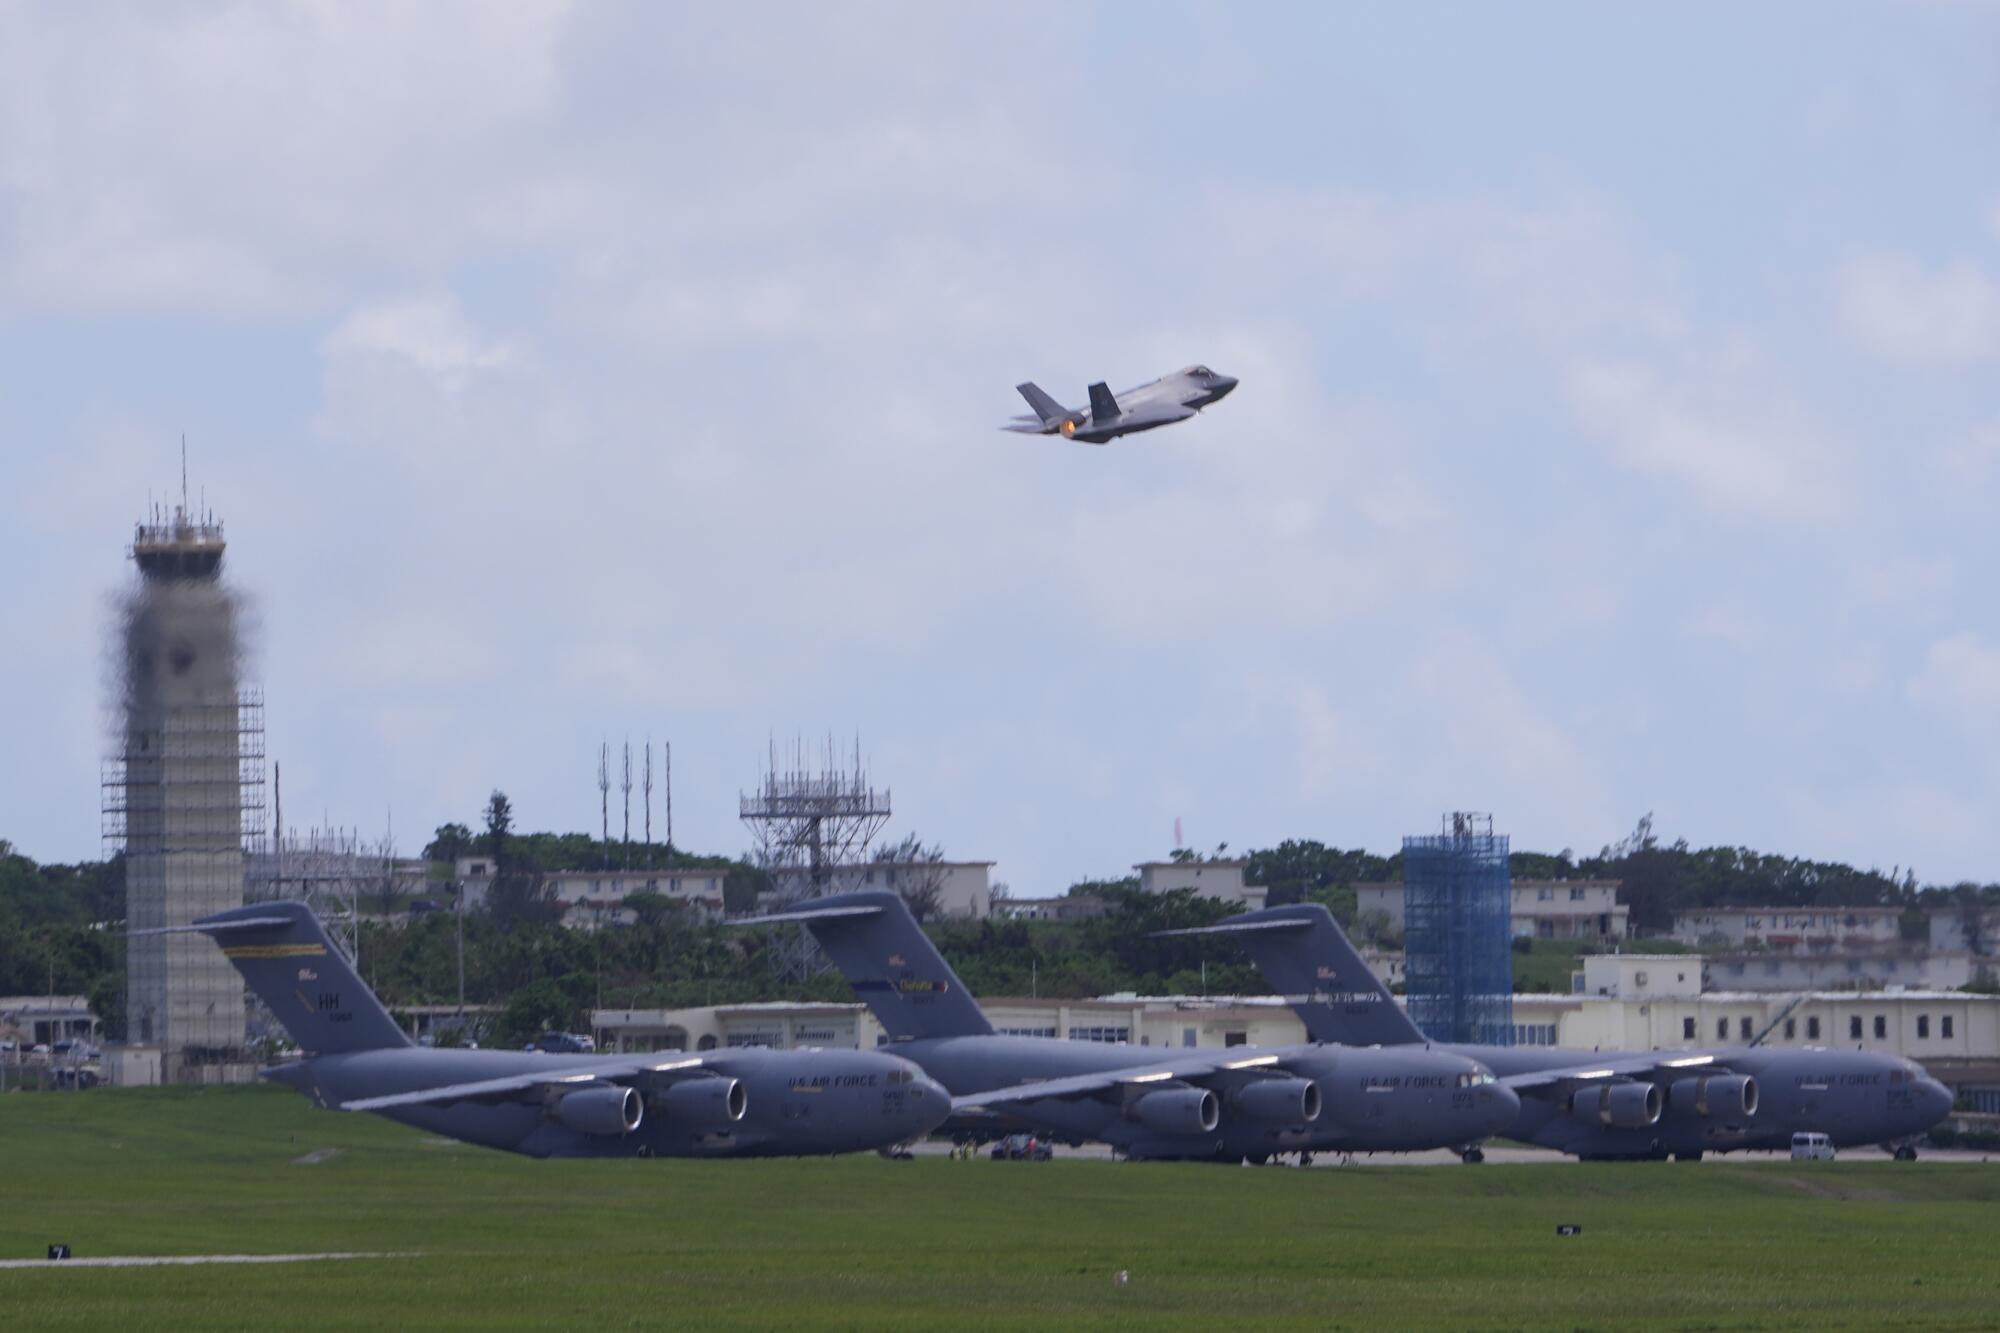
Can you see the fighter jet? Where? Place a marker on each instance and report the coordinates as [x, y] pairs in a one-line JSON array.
[[1646, 1106], [1159, 402], [732, 1103], [1239, 1104]]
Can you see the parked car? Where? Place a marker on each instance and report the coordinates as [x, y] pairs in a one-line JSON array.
[[565, 1043], [1812, 1148], [1021, 1148]]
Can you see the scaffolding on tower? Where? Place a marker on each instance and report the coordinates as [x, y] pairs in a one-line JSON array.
[[1457, 910]]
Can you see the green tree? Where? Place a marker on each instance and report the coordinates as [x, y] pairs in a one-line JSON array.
[[452, 841]]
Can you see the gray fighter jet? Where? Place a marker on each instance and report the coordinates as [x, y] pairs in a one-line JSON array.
[[1652, 1105], [732, 1103], [1159, 402], [1239, 1104]]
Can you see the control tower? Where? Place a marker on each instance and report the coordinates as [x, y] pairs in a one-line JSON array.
[[183, 789]]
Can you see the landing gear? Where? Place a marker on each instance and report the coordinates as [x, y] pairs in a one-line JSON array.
[[1694, 1156], [1471, 1156], [1906, 1152], [1256, 1159], [1305, 1159]]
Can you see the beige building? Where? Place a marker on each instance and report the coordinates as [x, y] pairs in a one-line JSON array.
[[1851, 929], [1875, 969], [597, 897], [1221, 880], [1547, 909]]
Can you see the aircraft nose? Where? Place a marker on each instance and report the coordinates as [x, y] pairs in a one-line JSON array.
[[929, 1103], [1499, 1108], [1222, 384], [1937, 1101]]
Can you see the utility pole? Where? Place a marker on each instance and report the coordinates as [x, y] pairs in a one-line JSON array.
[[625, 849], [604, 794], [458, 892]]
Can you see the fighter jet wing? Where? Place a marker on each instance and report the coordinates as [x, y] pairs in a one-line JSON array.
[[615, 1071], [1617, 1067], [1187, 1069]]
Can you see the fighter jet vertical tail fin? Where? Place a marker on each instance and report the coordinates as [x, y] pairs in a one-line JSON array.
[[1103, 407], [301, 976], [1051, 412], [1303, 952], [892, 965]]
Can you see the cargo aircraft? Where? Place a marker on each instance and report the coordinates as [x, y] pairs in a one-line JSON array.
[[728, 1103], [1156, 403], [1241, 1103], [1649, 1105]]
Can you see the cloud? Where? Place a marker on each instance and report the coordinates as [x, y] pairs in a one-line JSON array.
[[1960, 678], [1895, 308], [429, 333], [1736, 456]]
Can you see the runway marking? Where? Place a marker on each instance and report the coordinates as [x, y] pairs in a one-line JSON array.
[[172, 1260]]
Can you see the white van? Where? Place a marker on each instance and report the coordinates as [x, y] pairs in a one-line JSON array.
[[1812, 1148]]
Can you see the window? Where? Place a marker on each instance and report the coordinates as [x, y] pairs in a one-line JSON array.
[[1923, 1026], [1854, 1027], [1722, 1029], [1687, 1029], [1881, 1027], [1104, 1034], [1772, 967], [1812, 1028], [1639, 980], [1791, 1028], [1944, 1025], [1235, 1039], [1031, 1032], [1576, 895], [1187, 1037], [1544, 895], [1743, 1028]]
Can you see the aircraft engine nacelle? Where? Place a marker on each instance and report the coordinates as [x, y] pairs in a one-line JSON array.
[[1285, 1101], [1620, 1105], [601, 1110], [1178, 1111], [703, 1101], [1729, 1096]]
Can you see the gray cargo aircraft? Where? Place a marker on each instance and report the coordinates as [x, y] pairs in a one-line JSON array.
[[1238, 1104], [1645, 1106], [1159, 402], [730, 1103]]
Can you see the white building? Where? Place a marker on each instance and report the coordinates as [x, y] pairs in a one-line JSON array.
[[1948, 930], [1852, 929], [1872, 969], [1640, 975], [1546, 909], [597, 897], [1220, 880]]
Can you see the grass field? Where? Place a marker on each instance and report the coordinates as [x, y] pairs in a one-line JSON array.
[[865, 1243]]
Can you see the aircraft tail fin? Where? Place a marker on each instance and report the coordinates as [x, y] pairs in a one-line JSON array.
[[285, 956], [1303, 952], [1051, 413], [1103, 407], [890, 962]]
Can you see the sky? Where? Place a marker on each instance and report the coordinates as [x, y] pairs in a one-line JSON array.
[[1616, 430]]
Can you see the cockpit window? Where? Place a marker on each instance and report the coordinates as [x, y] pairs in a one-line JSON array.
[[1202, 371]]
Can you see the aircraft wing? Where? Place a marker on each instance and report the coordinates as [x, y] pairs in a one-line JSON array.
[[1616, 1067], [617, 1071], [1187, 1069]]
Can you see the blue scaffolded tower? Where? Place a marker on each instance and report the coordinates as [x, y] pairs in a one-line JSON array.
[[1457, 907]]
